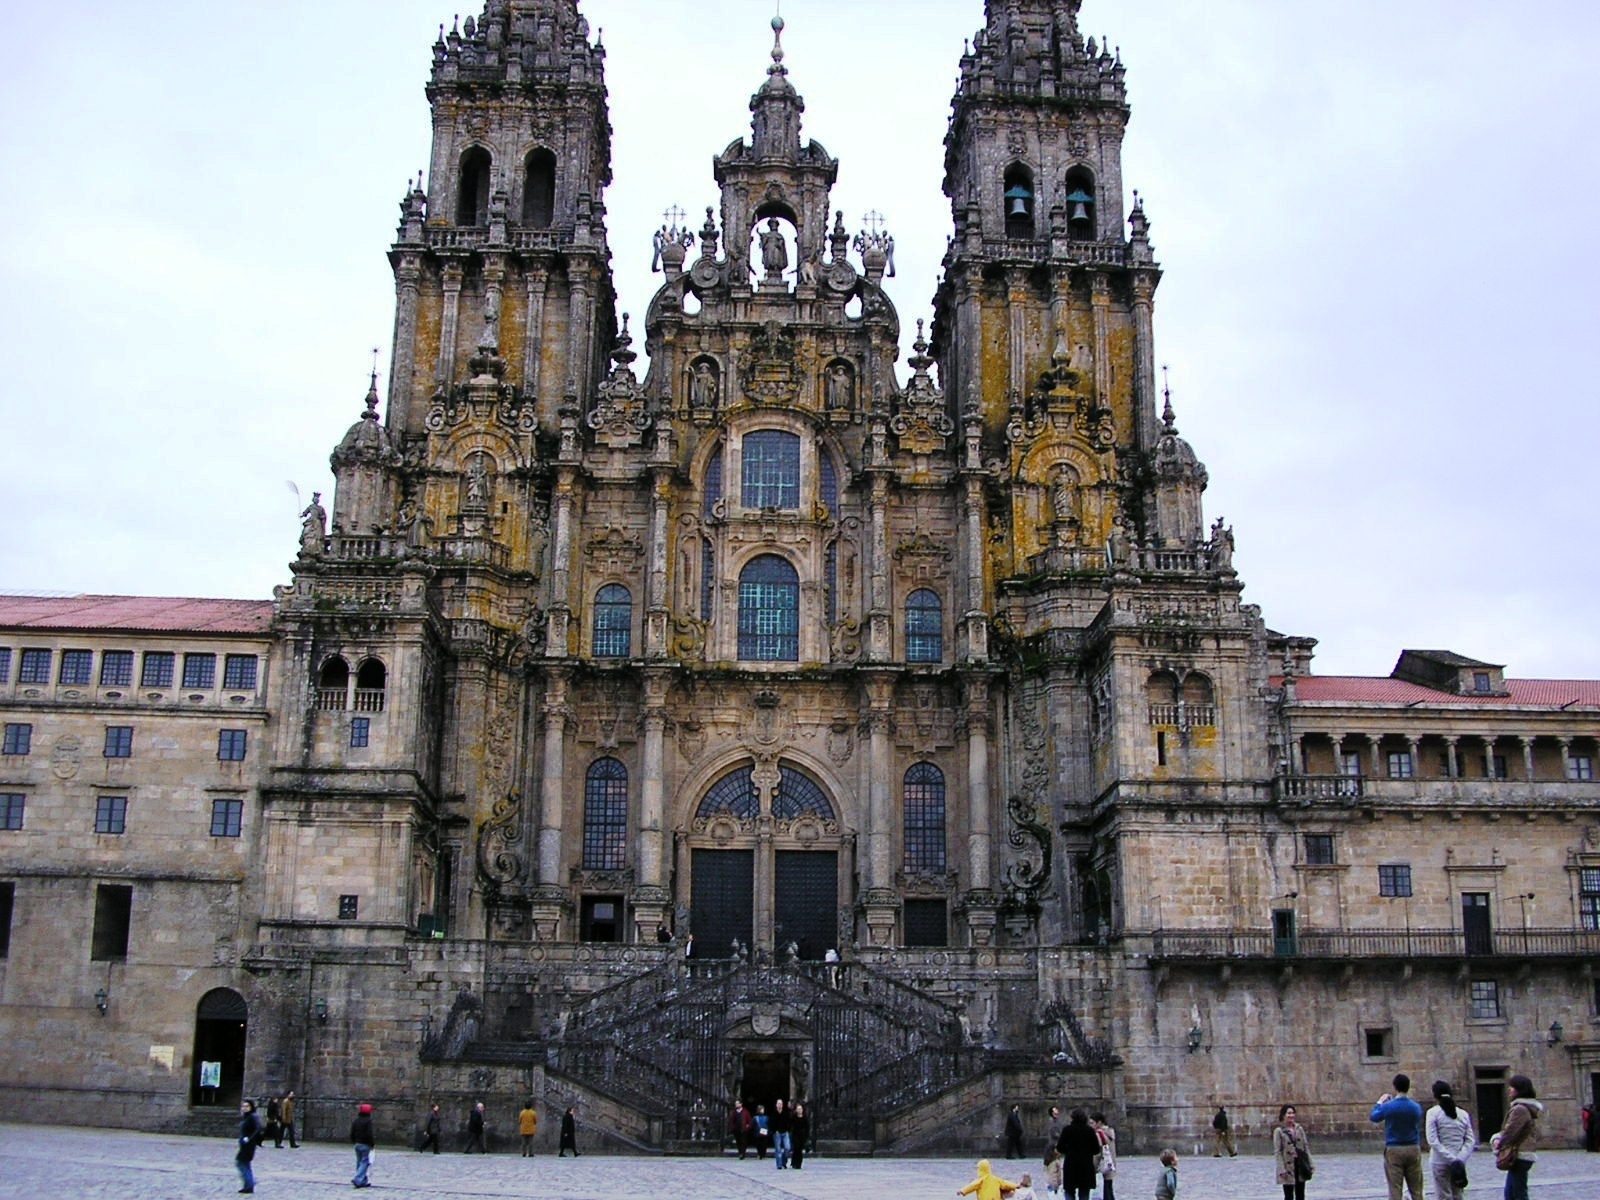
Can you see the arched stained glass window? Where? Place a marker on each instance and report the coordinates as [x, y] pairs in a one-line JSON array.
[[827, 483], [613, 621], [830, 580], [799, 796], [924, 627], [712, 491], [605, 816], [924, 812], [734, 795], [769, 611], [771, 459]]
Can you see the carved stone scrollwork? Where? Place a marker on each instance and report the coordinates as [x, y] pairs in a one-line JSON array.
[[499, 840], [1026, 879], [612, 550], [771, 374]]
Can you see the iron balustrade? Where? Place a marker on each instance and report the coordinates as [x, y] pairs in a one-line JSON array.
[[1340, 944]]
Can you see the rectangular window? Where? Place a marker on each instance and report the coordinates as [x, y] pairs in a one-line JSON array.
[[1484, 1004], [1394, 879], [926, 923], [77, 667], [1380, 1043], [157, 670], [34, 667], [771, 460], [1589, 897], [11, 805], [239, 673], [1500, 769], [1400, 764], [5, 664], [348, 906], [8, 896], [1350, 765], [199, 671], [231, 744], [119, 741], [1480, 681], [360, 731], [19, 739], [110, 814], [227, 816], [113, 914], [116, 668], [1579, 767], [1319, 849], [600, 919]]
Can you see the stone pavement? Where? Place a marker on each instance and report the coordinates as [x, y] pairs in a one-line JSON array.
[[38, 1161]]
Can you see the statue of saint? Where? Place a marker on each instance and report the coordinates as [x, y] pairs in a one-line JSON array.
[[774, 254], [313, 527], [840, 388], [703, 387], [1221, 546], [477, 484]]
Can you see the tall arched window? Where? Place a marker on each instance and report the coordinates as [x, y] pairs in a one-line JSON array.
[[924, 627], [769, 611], [827, 484], [771, 469], [539, 190], [605, 816], [924, 809], [371, 679], [472, 197], [1019, 201], [333, 684], [1080, 204], [613, 621]]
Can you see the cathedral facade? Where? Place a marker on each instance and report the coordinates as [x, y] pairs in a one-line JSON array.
[[775, 721]]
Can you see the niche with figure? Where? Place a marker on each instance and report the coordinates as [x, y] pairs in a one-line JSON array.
[[704, 385], [774, 250], [839, 387]]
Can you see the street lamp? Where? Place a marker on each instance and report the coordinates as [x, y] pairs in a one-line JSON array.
[[321, 1007], [102, 1000], [1556, 1034], [1196, 1036]]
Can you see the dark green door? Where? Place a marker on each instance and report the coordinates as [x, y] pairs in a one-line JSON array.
[[721, 900]]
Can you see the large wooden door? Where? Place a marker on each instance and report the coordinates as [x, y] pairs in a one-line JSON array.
[[806, 903], [1476, 922], [722, 900]]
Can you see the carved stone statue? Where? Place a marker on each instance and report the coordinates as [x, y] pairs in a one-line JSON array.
[[658, 242], [811, 268], [476, 494], [313, 527], [412, 525], [774, 254], [703, 387], [840, 388], [1117, 543], [1221, 546]]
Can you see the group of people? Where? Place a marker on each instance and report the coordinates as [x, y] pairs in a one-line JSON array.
[[1076, 1151], [1447, 1132], [786, 1131]]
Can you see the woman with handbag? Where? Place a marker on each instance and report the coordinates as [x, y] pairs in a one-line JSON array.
[[1450, 1141], [1517, 1140], [1291, 1152]]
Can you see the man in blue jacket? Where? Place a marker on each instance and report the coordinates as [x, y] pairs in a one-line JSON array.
[[1402, 1138]]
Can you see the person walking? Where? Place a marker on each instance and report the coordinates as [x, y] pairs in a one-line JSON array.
[[1052, 1173], [799, 1134], [1222, 1135], [1518, 1139], [780, 1134], [988, 1185], [1291, 1153], [1167, 1181], [475, 1130], [274, 1122], [1108, 1155], [741, 1125], [763, 1133], [431, 1128], [286, 1126], [1451, 1142], [569, 1132], [1013, 1132], [1052, 1132], [361, 1137], [1401, 1117], [1078, 1145], [528, 1126], [245, 1147]]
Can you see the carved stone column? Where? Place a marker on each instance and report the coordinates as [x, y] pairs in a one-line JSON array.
[[881, 902], [559, 620], [979, 802], [651, 901], [1527, 758], [975, 621], [1375, 742], [1017, 329], [451, 282], [1144, 360], [550, 896], [402, 357], [1451, 765], [655, 612], [879, 627], [533, 330]]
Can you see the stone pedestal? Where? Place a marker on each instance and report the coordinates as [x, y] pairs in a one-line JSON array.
[[652, 907], [548, 906], [882, 909], [982, 910]]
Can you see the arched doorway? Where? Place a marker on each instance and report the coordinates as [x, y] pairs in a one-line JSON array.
[[216, 1072]]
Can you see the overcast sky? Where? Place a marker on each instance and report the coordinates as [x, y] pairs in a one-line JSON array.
[[1376, 218]]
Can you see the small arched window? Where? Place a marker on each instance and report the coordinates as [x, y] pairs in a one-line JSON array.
[[734, 795], [799, 796], [924, 813], [539, 190], [613, 622], [605, 816], [1080, 201], [769, 611], [472, 195], [1019, 201], [1197, 689], [771, 459], [371, 680], [924, 626], [333, 684]]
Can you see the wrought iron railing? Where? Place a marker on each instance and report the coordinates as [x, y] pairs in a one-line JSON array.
[[1374, 943]]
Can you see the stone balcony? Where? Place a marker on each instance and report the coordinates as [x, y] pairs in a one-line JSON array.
[[1340, 945], [1474, 793]]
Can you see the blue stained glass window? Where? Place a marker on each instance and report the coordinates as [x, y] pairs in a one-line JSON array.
[[613, 621], [771, 469], [605, 816], [733, 795], [828, 483], [798, 795], [708, 578], [924, 627], [830, 580], [924, 815], [769, 611], [712, 492]]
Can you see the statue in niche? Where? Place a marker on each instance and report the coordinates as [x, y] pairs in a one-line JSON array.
[[703, 387], [774, 254], [313, 527], [477, 484], [841, 388]]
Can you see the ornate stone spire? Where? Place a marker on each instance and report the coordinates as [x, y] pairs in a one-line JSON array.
[[776, 108]]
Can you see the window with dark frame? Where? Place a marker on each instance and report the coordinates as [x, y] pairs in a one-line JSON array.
[[769, 611], [5, 664], [1319, 849], [924, 806], [1580, 767], [8, 897], [360, 732], [157, 669], [227, 817], [116, 668], [798, 796], [200, 671], [110, 814], [12, 805], [34, 666], [613, 622], [348, 907], [1350, 764], [1394, 879], [771, 463], [1480, 681], [1589, 897], [113, 917], [119, 742], [77, 667], [926, 923], [1380, 1043], [239, 672], [231, 744], [600, 919], [924, 626], [605, 816], [1484, 1000], [18, 739]]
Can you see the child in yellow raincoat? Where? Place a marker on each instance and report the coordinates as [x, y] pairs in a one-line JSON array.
[[988, 1185]]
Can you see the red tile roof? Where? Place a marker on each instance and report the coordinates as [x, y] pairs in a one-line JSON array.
[[142, 614], [1369, 689]]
